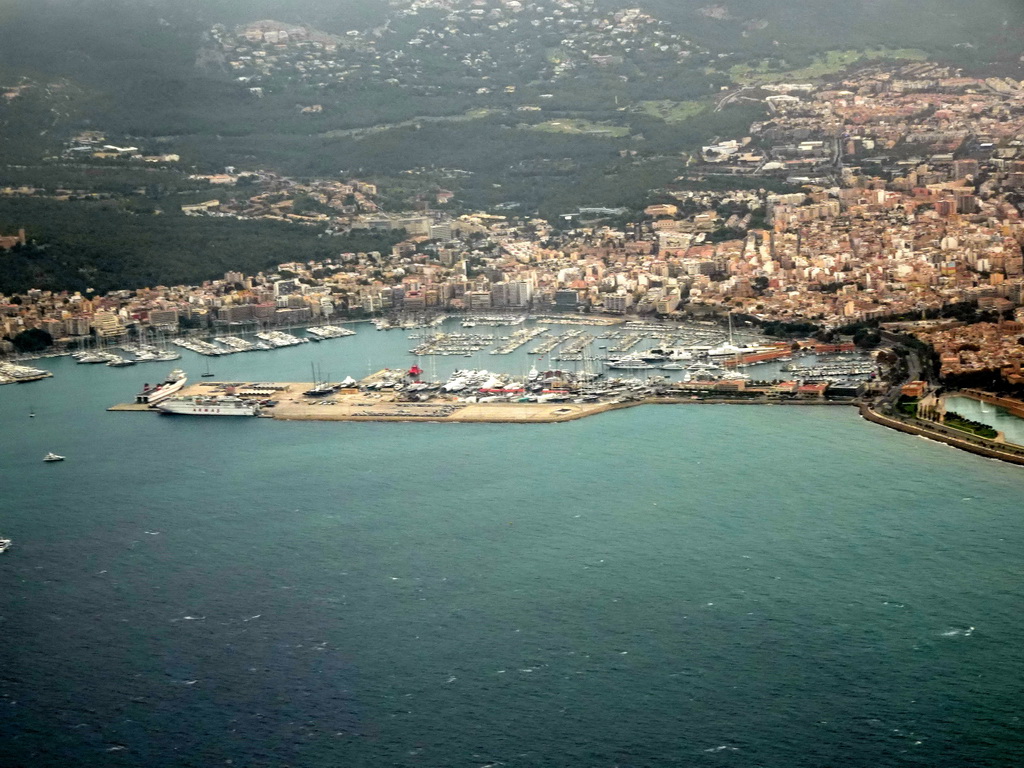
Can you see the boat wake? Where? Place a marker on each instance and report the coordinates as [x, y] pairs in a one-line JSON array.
[[959, 632]]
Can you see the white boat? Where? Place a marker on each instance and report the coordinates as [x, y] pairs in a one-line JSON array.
[[5, 544], [673, 354], [724, 350], [328, 332], [52, 457], [117, 361], [630, 364], [92, 358], [209, 405], [153, 395]]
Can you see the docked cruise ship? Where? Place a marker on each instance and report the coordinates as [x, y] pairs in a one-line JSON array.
[[209, 405], [153, 395]]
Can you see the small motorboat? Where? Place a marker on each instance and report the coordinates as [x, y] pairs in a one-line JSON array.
[[52, 457]]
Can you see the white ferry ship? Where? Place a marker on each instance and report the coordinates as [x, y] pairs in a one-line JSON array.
[[153, 395], [209, 405]]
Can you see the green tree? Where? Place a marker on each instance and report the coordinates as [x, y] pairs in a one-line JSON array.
[[33, 340]]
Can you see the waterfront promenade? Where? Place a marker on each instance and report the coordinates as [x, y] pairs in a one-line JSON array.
[[993, 449]]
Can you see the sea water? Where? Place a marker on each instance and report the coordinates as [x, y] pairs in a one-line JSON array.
[[681, 585]]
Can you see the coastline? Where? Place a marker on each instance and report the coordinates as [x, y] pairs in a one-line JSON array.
[[988, 449], [355, 406]]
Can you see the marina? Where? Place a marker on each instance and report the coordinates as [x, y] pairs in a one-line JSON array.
[[519, 339], [443, 337], [548, 372], [12, 373], [465, 344], [542, 365]]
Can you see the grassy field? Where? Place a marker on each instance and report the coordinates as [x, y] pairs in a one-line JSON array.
[[472, 114], [827, 64], [577, 126], [673, 111]]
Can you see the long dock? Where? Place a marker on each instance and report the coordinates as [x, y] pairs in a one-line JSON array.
[[383, 405]]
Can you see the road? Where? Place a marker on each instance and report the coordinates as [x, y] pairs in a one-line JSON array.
[[729, 98]]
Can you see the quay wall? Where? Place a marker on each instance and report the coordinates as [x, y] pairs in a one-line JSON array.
[[963, 443]]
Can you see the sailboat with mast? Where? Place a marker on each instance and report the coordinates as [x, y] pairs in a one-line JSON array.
[[321, 387], [729, 349]]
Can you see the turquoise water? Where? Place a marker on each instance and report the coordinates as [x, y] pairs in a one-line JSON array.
[[1011, 426], [667, 585]]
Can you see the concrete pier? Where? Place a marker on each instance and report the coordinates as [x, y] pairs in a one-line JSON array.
[[383, 405]]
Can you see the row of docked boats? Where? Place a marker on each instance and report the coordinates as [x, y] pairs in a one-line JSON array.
[[278, 339], [140, 354], [265, 340], [408, 324], [11, 373], [101, 358], [147, 353], [493, 320], [672, 362], [851, 368], [225, 345], [321, 332]]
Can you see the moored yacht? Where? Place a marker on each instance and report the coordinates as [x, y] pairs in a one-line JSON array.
[[630, 364]]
